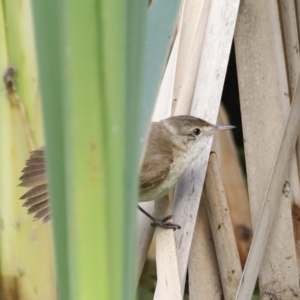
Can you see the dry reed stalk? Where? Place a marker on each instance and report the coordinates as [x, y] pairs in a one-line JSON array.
[[206, 101], [222, 231], [292, 58], [296, 209], [288, 20], [190, 48], [168, 284], [145, 235], [263, 82], [288, 16], [204, 278], [277, 190], [235, 187]]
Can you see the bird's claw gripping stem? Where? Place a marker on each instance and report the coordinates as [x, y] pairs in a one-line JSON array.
[[164, 224], [161, 223]]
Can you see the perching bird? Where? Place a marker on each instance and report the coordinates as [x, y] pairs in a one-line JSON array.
[[172, 145]]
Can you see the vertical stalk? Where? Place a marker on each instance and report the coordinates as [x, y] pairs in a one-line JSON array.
[[26, 246]]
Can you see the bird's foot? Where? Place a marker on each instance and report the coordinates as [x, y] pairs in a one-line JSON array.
[[164, 224], [161, 222]]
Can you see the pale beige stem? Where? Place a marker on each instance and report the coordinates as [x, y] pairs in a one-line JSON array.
[[222, 231], [168, 284], [204, 278]]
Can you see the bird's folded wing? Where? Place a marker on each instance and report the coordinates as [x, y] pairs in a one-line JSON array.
[[152, 174], [35, 176], [158, 158]]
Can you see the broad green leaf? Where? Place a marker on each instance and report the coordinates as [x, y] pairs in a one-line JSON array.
[[161, 21]]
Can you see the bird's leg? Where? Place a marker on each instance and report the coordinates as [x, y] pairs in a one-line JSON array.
[[161, 222]]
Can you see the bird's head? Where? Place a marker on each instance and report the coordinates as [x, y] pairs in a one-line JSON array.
[[194, 132]]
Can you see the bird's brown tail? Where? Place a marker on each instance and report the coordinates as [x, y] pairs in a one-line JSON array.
[[34, 175]]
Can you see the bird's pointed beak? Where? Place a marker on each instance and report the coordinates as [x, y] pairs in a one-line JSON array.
[[218, 128], [224, 127]]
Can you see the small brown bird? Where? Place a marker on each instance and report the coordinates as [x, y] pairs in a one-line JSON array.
[[173, 144]]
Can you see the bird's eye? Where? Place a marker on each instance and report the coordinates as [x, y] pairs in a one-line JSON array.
[[196, 131]]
